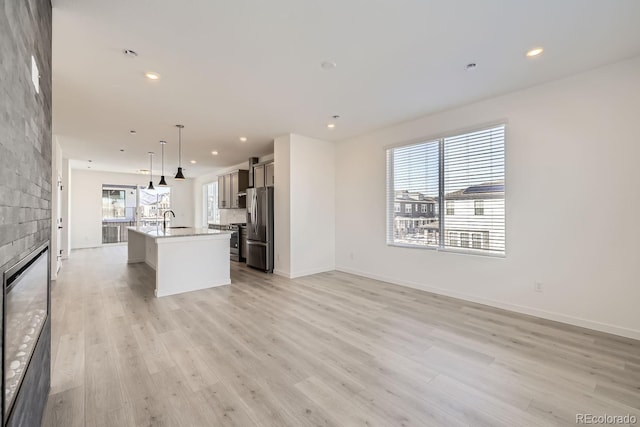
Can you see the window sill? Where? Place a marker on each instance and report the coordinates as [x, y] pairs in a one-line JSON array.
[[461, 251]]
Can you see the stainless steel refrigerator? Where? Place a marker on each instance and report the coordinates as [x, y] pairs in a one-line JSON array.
[[260, 228]]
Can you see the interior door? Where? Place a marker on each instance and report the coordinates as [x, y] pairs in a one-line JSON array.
[[59, 225]]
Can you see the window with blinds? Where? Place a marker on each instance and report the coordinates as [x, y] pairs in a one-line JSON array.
[[449, 193]]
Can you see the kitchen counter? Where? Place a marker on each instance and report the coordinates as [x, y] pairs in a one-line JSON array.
[[184, 259], [160, 232]]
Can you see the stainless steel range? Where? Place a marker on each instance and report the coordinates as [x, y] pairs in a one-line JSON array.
[[236, 252]]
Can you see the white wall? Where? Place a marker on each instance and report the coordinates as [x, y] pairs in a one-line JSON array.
[[86, 203], [572, 201], [309, 202], [282, 206], [65, 244], [56, 205]]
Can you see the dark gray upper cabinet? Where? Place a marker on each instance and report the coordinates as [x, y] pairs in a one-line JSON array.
[[231, 189], [258, 176], [263, 175], [268, 174], [222, 197]]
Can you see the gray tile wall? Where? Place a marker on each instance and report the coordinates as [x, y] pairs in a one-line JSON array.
[[25, 165]]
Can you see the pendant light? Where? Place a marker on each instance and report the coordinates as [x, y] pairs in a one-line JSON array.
[[150, 187], [179, 175], [162, 182]]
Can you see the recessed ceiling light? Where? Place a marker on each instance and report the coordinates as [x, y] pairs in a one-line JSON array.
[[122, 150], [335, 116], [471, 66], [534, 52], [243, 138], [132, 132], [193, 162], [130, 53], [152, 76], [331, 125], [328, 65], [215, 153], [90, 161]]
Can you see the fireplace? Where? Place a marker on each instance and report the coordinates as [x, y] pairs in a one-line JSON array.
[[26, 308]]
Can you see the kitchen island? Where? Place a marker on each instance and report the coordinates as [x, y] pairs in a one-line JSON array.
[[184, 259]]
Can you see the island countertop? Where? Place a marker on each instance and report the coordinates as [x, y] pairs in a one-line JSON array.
[[160, 232]]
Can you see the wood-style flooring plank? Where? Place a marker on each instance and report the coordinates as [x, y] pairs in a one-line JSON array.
[[332, 349]]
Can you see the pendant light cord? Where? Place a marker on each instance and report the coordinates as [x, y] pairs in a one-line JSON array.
[[179, 175], [180, 147]]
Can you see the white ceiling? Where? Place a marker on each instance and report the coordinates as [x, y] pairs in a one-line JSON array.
[[252, 68]]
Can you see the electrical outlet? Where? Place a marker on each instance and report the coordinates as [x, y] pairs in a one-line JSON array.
[[537, 286]]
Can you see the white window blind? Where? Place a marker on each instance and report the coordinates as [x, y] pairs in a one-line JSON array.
[[212, 213], [462, 177], [413, 175]]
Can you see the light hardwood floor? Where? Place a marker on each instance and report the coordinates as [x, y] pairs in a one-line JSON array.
[[331, 349]]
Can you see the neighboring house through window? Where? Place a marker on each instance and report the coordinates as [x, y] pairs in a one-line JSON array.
[[450, 209], [464, 240], [458, 181], [211, 211]]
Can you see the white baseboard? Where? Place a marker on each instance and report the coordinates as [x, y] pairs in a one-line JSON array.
[[311, 271], [75, 248], [282, 273], [544, 314], [199, 288], [303, 273]]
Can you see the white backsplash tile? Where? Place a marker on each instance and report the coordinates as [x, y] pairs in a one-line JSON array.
[[230, 216]]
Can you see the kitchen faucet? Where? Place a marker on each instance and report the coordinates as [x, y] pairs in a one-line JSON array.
[[164, 218]]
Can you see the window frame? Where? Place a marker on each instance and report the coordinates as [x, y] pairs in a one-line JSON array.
[[440, 206], [450, 208], [205, 203], [477, 237]]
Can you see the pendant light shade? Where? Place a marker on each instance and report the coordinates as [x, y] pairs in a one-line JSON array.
[[150, 187], [162, 182], [179, 175]]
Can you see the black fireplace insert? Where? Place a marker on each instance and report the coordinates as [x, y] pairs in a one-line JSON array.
[[25, 309]]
